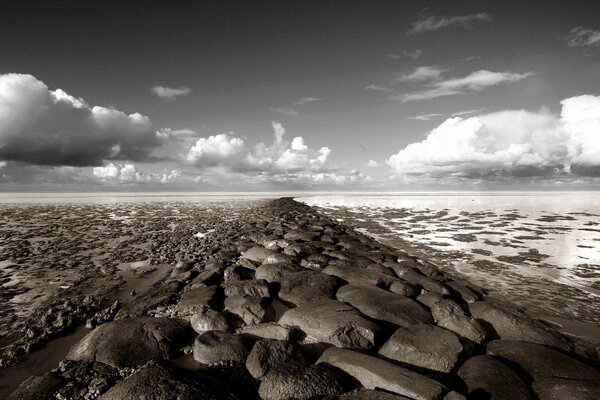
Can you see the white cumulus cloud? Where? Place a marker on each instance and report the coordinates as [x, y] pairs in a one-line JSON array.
[[169, 93], [51, 127], [510, 143], [128, 173]]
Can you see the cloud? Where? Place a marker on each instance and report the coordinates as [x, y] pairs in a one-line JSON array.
[[216, 150], [378, 88], [424, 73], [306, 100], [580, 37], [373, 164], [51, 127], [426, 117], [474, 82], [432, 23], [169, 93], [128, 173], [414, 55], [510, 144], [287, 111]]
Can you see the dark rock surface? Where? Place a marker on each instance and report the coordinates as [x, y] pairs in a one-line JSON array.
[[285, 303]]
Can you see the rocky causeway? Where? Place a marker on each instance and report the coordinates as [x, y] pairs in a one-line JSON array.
[[273, 300]]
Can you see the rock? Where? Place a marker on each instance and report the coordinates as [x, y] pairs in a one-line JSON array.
[[301, 249], [268, 330], [254, 287], [404, 288], [278, 258], [316, 262], [215, 347], [38, 387], [159, 295], [466, 293], [368, 394], [375, 373], [160, 383], [445, 308], [195, 300], [306, 286], [465, 327], [540, 361], [307, 383], [411, 276], [273, 355], [560, 389], [382, 305], [274, 272], [425, 346], [132, 342], [488, 378], [251, 309], [454, 396], [360, 276], [511, 324], [209, 320], [301, 236], [333, 322], [183, 266], [257, 254]]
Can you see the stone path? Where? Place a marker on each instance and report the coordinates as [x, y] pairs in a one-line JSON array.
[[288, 304]]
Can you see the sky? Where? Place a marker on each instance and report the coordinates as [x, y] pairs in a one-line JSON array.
[[300, 95]]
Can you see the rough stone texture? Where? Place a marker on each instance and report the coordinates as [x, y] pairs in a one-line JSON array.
[[540, 361], [257, 254], [209, 320], [255, 287], [272, 355], [307, 383], [465, 327], [195, 300], [561, 389], [375, 373], [511, 324], [486, 377], [333, 322], [251, 309], [160, 383], [425, 346], [274, 272], [306, 286], [217, 347], [360, 276], [132, 342], [38, 387], [368, 394], [382, 305], [268, 330], [160, 294]]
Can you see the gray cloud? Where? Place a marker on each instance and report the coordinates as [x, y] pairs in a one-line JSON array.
[[51, 127], [432, 23], [169, 93], [580, 37]]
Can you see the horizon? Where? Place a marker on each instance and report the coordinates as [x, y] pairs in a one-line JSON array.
[[300, 96]]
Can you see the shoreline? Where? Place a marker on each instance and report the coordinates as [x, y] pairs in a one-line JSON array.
[[264, 268]]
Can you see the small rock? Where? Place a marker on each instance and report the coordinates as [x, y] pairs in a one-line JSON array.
[[209, 320]]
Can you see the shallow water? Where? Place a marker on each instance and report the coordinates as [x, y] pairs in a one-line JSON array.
[[539, 249]]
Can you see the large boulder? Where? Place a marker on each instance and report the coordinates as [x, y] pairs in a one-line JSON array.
[[251, 309], [273, 355], [257, 254], [488, 378], [375, 373], [195, 300], [209, 320], [560, 389], [274, 272], [382, 305], [216, 347], [360, 276], [425, 346], [306, 286], [268, 330], [38, 387], [252, 287], [132, 342], [334, 322], [161, 383], [540, 361], [313, 381], [509, 323]]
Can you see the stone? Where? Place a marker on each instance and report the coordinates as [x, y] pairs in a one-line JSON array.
[[195, 300], [454, 396], [268, 330], [132, 342], [271, 355], [385, 306], [257, 254], [404, 288], [274, 272], [369, 394], [511, 324], [316, 262], [540, 361], [560, 389], [278, 258], [465, 327], [253, 287], [466, 293], [410, 275], [488, 378], [251, 309], [333, 322], [425, 346], [158, 295], [38, 387], [209, 320], [307, 383], [300, 236], [158, 382], [215, 347], [303, 287], [375, 373], [360, 276]]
